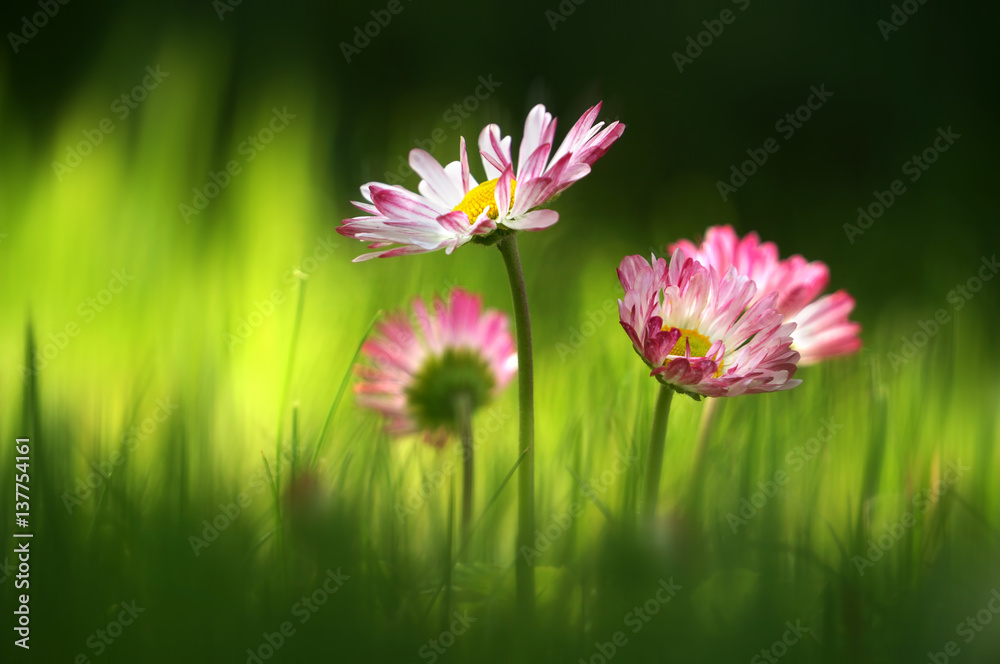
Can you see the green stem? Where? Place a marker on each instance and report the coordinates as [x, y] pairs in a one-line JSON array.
[[295, 442], [288, 379], [465, 544], [657, 439], [526, 407], [277, 503], [343, 386], [448, 567], [463, 407]]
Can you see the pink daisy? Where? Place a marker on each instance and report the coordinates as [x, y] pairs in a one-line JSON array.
[[822, 328], [704, 333], [416, 373], [452, 208]]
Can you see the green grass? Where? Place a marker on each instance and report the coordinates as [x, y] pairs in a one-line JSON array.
[[892, 438], [168, 337]]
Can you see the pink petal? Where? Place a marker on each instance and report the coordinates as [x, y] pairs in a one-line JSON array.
[[501, 193], [395, 204], [535, 220]]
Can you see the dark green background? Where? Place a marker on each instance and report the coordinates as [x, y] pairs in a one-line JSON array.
[[684, 132]]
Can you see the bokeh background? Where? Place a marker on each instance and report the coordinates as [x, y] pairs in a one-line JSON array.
[[136, 291]]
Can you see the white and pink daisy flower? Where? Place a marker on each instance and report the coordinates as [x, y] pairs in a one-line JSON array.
[[416, 373], [822, 328], [452, 208], [704, 333]]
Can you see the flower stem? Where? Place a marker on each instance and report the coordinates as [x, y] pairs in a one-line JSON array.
[[448, 567], [657, 439], [463, 407], [526, 407]]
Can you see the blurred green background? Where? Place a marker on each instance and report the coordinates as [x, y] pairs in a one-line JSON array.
[[145, 285]]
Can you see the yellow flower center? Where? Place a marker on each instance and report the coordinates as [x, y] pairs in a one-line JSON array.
[[481, 197], [700, 345]]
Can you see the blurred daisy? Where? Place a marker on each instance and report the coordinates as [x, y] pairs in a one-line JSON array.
[[452, 208], [822, 328], [704, 333], [419, 375]]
